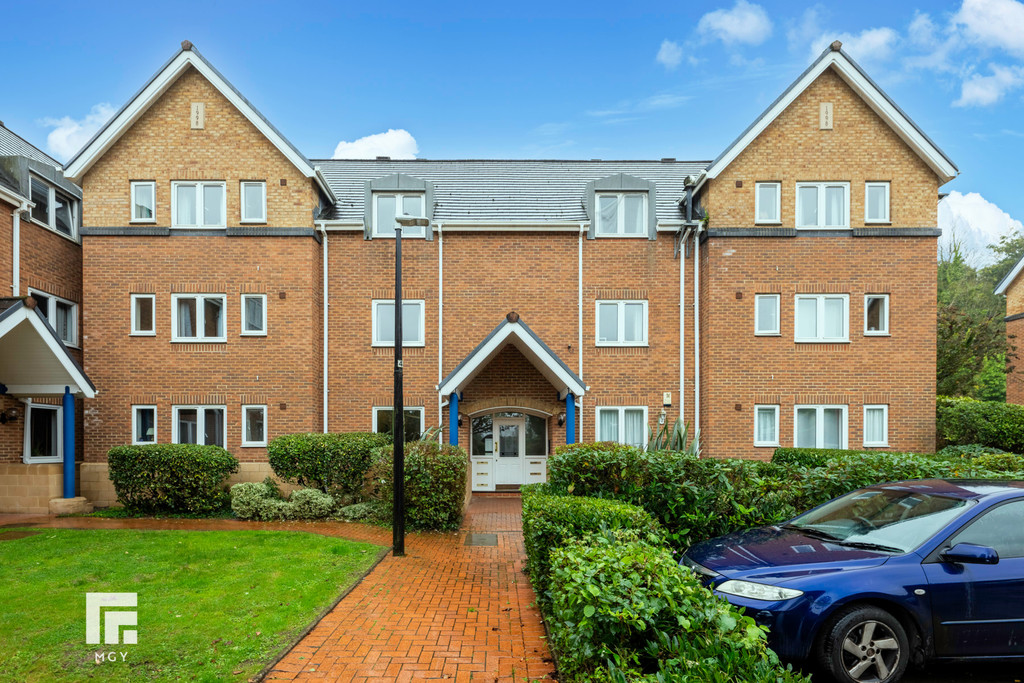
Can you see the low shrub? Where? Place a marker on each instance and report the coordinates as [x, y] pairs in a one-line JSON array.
[[261, 501], [960, 421], [971, 450], [171, 478], [552, 521], [623, 609], [819, 457], [435, 484], [999, 462], [359, 511], [333, 463]]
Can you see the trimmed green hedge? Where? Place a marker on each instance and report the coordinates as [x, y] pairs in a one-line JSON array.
[[171, 478], [623, 609], [960, 421], [819, 457], [334, 463], [550, 521], [262, 501], [435, 484]]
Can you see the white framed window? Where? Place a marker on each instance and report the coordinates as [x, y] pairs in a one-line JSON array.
[[143, 424], [386, 205], [876, 426], [254, 315], [623, 424], [622, 214], [413, 321], [254, 201], [143, 315], [766, 425], [384, 421], [820, 426], [254, 426], [876, 314], [204, 425], [198, 317], [823, 205], [198, 204], [54, 209], [143, 201], [767, 314], [876, 202], [44, 433], [621, 323], [822, 317], [768, 203], [60, 313]]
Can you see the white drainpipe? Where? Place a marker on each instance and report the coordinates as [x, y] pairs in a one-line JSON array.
[[440, 320], [682, 324], [579, 324], [16, 249], [326, 306], [696, 329]]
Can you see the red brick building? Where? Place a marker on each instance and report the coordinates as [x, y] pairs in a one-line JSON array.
[[783, 293]]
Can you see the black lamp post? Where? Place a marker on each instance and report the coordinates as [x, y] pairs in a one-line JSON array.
[[398, 409]]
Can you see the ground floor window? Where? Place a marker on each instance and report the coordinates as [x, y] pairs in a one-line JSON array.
[[143, 424], [820, 427], [254, 426], [876, 425], [624, 424], [482, 439], [44, 431], [203, 425], [766, 425], [384, 422]]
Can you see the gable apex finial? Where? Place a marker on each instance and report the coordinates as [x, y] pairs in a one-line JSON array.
[[836, 46], [186, 45]]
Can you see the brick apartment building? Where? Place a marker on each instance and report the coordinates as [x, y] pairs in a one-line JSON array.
[[233, 290]]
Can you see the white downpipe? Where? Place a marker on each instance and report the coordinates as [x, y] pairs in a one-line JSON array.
[[579, 324], [696, 330], [16, 250], [682, 325], [326, 307], [440, 321]]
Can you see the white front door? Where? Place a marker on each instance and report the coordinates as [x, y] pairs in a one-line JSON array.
[[510, 438]]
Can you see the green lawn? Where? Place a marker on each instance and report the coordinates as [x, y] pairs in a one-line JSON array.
[[212, 605]]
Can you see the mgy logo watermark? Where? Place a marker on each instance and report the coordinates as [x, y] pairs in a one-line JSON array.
[[113, 621]]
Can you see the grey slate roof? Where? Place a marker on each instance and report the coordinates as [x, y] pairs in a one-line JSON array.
[[12, 144], [509, 190]]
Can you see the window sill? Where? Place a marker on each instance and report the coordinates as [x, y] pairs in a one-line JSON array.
[[620, 237], [142, 334], [142, 221], [244, 221], [823, 227], [252, 334], [877, 334], [253, 445], [875, 445], [143, 443], [198, 227], [767, 222], [613, 345], [42, 461], [191, 340], [767, 334], [404, 237], [822, 341], [885, 222], [70, 345], [391, 345], [766, 445]]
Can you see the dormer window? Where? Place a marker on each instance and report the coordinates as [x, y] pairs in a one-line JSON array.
[[53, 208], [386, 205], [622, 214]]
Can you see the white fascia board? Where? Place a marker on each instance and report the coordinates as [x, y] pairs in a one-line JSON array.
[[1005, 283], [502, 226], [341, 226], [12, 197], [868, 92], [25, 314], [467, 371]]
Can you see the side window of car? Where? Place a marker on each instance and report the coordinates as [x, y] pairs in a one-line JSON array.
[[1001, 528]]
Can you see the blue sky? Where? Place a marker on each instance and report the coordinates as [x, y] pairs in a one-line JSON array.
[[542, 80]]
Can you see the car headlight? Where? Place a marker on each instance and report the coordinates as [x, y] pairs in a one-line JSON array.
[[757, 591]]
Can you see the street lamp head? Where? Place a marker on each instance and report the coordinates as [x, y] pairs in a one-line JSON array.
[[407, 221]]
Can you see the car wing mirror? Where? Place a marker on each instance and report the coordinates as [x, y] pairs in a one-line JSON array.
[[969, 553]]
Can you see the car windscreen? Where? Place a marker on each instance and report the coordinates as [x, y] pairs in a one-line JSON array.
[[891, 519]]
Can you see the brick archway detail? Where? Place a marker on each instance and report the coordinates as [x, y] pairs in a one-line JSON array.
[[498, 403]]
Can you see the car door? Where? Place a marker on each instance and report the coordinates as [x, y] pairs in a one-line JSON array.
[[978, 609]]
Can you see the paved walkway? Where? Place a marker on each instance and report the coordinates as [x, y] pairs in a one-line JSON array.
[[447, 610]]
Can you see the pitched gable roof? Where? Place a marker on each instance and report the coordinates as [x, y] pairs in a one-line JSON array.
[[12, 144], [834, 57], [187, 57], [1005, 283]]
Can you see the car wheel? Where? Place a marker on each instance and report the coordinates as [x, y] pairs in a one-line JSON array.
[[864, 645]]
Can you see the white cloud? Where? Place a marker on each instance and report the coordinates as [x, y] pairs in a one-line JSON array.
[[982, 91], [670, 54], [647, 104], [745, 23], [921, 30], [395, 143], [870, 45], [993, 23], [70, 135], [975, 223]]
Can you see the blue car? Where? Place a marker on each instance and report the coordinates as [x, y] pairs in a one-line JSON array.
[[888, 575]]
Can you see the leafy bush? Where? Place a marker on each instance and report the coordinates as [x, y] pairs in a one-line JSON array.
[[971, 450], [435, 484], [819, 457], [333, 463], [171, 478], [622, 602], [1000, 462], [262, 501], [988, 423], [551, 521]]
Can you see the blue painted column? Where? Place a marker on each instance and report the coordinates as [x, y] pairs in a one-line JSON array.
[[570, 418], [69, 444], [453, 419]]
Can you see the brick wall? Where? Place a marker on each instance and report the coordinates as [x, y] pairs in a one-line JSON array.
[[1015, 330]]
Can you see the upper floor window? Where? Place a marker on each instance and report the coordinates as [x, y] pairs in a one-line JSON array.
[[254, 202], [198, 204], [624, 424], [766, 314], [768, 203], [876, 314], [823, 205], [254, 314], [383, 322], [143, 306], [621, 323], [53, 208], [60, 313], [143, 201], [822, 317], [197, 317], [387, 205], [876, 203], [623, 214]]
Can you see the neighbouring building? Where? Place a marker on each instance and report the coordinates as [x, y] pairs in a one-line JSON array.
[[783, 293], [1013, 289]]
